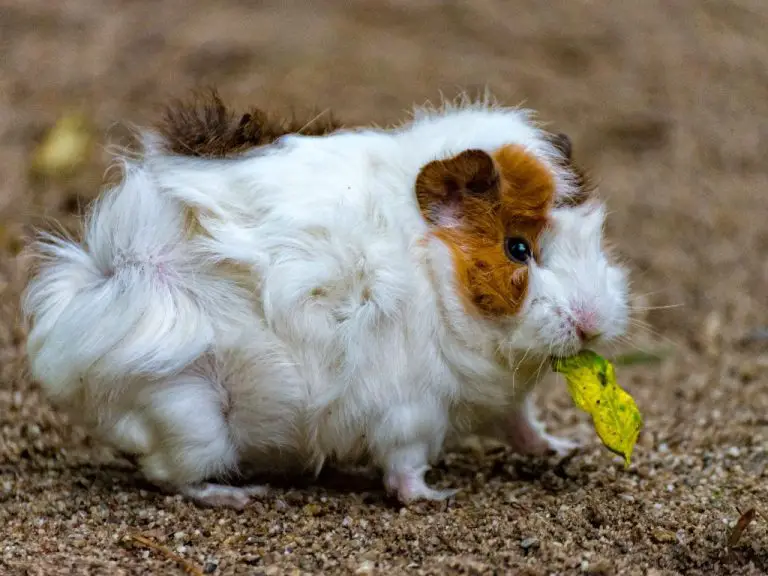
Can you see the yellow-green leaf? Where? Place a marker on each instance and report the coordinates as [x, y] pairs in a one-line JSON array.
[[65, 148], [592, 384]]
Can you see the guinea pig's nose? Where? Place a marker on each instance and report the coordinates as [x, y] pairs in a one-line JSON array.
[[586, 336], [585, 323]]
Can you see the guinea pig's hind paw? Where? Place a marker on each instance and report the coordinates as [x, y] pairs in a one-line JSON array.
[[409, 488], [436, 495], [223, 496]]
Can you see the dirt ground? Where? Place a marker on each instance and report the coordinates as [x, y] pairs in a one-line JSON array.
[[667, 104]]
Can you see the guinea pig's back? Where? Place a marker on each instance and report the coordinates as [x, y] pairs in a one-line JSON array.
[[329, 231]]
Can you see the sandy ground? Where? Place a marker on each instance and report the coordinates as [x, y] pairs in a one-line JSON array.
[[666, 103]]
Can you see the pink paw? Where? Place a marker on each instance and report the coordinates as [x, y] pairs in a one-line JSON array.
[[409, 486], [529, 438], [223, 496]]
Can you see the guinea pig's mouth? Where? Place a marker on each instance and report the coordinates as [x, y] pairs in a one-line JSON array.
[[567, 351], [556, 361]]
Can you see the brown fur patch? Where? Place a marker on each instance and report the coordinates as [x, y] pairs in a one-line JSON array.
[[475, 201], [581, 180], [204, 126]]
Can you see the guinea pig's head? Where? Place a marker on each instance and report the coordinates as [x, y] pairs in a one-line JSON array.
[[532, 262]]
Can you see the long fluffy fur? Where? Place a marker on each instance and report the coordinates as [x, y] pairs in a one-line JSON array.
[[288, 306], [205, 127]]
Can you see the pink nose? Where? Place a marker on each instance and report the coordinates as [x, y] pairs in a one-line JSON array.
[[585, 322], [585, 336]]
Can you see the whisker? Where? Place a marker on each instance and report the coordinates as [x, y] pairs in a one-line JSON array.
[[525, 355], [656, 334], [543, 362], [647, 308], [648, 294], [633, 346], [626, 341]]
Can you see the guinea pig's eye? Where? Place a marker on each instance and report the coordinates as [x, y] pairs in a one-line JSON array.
[[517, 250]]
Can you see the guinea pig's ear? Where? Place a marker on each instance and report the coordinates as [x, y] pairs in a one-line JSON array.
[[443, 186]]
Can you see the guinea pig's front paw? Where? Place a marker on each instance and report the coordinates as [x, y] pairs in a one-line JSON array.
[[526, 436], [560, 446], [223, 496], [543, 444]]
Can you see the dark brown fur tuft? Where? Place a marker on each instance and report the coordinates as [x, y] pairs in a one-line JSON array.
[[584, 186], [205, 127]]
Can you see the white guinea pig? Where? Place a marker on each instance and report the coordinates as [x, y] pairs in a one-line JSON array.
[[360, 295]]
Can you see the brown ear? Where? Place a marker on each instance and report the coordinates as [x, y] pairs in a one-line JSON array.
[[444, 186]]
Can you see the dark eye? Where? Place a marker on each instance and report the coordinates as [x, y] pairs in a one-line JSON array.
[[517, 250]]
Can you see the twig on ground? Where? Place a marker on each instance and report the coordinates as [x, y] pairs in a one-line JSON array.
[[187, 566], [741, 525]]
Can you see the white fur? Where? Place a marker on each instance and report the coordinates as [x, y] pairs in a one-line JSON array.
[[314, 319]]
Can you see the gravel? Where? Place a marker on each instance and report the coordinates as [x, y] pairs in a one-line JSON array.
[[665, 103]]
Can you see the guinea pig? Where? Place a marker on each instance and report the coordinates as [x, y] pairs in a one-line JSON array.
[[351, 295]]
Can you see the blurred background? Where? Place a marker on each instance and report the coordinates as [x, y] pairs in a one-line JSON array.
[[666, 104]]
